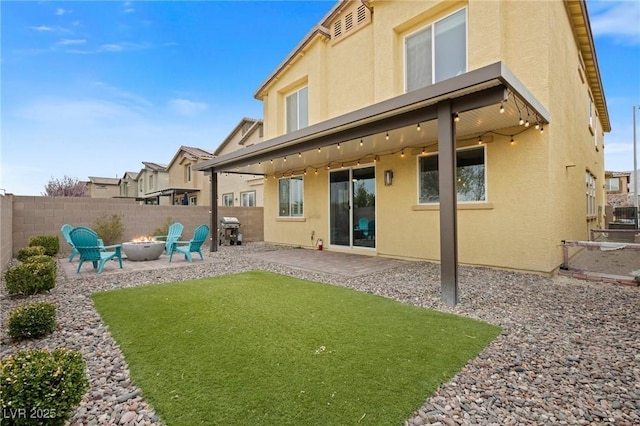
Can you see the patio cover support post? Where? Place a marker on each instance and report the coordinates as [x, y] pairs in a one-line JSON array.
[[214, 210], [448, 204]]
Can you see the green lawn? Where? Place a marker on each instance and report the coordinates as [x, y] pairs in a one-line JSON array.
[[263, 349]]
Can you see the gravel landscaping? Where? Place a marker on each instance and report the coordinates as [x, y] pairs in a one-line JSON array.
[[569, 352]]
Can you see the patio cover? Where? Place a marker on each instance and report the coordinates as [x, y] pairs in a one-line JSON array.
[[463, 107]]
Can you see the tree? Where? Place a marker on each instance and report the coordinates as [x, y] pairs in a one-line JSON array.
[[65, 187]]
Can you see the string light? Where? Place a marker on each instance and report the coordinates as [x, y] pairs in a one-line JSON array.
[[316, 172], [424, 151], [541, 129], [319, 149], [338, 145], [387, 136], [512, 141], [418, 127], [402, 154], [537, 125], [521, 121], [456, 117], [299, 155], [271, 161], [502, 107], [285, 159], [479, 140], [361, 142]]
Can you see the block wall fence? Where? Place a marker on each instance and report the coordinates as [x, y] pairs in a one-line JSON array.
[[25, 216]]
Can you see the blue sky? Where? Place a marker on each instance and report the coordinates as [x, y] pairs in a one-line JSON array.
[[94, 88]]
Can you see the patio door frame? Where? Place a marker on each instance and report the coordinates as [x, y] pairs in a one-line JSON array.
[[352, 223]]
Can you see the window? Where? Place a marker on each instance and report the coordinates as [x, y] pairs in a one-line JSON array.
[[437, 52], [150, 182], [227, 199], [297, 107], [187, 173], [591, 194], [248, 199], [470, 171], [613, 184], [290, 196], [193, 201]]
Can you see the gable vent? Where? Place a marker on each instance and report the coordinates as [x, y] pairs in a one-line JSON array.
[[337, 29], [348, 22], [362, 13]]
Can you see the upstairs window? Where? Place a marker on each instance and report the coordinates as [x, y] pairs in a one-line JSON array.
[[297, 107], [227, 200], [290, 196], [248, 199], [187, 173], [613, 184], [437, 52]]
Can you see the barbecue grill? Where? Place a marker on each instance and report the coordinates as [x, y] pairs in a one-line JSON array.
[[230, 231]]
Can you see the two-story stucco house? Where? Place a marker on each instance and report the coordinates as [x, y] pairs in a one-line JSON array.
[[452, 131], [129, 185], [187, 186], [240, 189], [153, 178], [103, 187]]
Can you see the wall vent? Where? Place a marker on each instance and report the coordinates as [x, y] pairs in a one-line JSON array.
[[337, 29], [362, 13], [348, 22]]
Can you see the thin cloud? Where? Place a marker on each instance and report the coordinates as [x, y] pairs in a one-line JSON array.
[[186, 107], [60, 11], [69, 42], [41, 28], [618, 20]]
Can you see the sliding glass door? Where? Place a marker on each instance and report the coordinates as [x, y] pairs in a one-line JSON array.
[[352, 214]]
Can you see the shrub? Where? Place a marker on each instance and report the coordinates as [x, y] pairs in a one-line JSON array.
[[26, 252], [30, 278], [41, 387], [109, 228], [32, 320], [40, 258], [51, 243], [164, 229]]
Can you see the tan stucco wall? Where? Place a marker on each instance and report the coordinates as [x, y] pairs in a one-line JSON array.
[[535, 188]]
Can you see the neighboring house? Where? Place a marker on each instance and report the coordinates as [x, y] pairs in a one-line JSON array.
[[241, 189], [619, 194], [102, 187], [153, 179], [465, 132], [129, 185], [187, 186]]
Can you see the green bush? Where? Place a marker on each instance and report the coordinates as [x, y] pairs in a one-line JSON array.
[[109, 228], [40, 258], [32, 320], [41, 387], [26, 252], [33, 277], [51, 243]]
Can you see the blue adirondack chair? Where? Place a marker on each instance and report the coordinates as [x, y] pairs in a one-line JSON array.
[[193, 245], [65, 230], [90, 247], [174, 234]]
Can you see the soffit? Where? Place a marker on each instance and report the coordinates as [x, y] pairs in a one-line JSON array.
[[579, 17]]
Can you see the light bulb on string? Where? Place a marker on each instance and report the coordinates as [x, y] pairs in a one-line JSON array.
[[418, 127], [502, 107], [387, 136], [361, 142]]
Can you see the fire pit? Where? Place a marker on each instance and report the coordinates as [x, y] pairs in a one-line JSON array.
[[143, 248]]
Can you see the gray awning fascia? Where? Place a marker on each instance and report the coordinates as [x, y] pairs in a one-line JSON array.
[[411, 107]]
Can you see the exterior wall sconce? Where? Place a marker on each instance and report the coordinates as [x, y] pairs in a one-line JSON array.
[[388, 177]]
